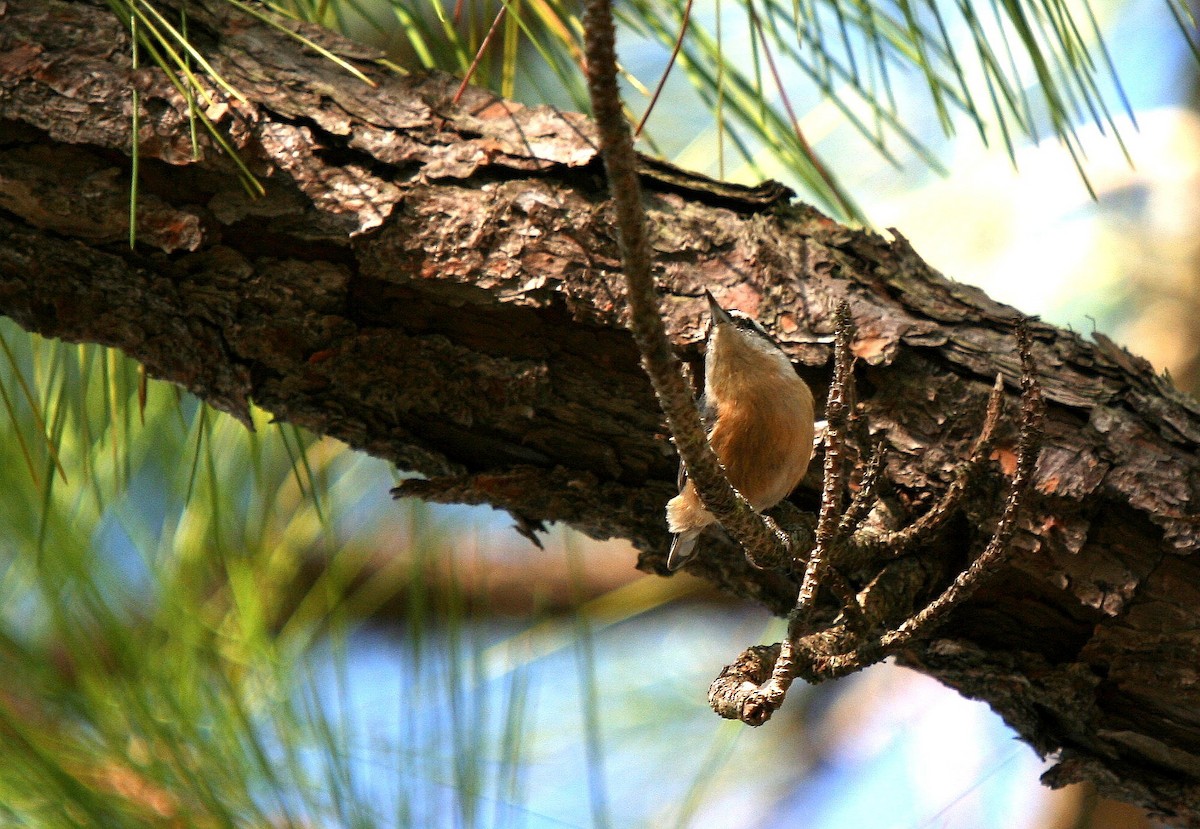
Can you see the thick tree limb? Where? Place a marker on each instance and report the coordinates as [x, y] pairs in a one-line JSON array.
[[439, 286]]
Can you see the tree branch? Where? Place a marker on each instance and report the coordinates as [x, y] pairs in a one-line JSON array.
[[440, 286], [759, 536]]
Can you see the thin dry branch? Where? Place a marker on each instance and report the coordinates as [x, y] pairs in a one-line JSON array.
[[868, 543], [807, 654], [759, 536]]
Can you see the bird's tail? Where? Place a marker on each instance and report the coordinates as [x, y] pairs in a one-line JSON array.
[[683, 548]]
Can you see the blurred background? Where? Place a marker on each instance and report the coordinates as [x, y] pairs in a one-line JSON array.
[[205, 626]]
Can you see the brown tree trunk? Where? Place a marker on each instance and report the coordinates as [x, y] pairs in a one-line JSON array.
[[437, 285]]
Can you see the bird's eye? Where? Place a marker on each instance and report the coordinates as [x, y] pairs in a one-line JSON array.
[[748, 324]]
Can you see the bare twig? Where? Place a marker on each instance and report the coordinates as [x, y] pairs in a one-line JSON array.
[[836, 414], [865, 545], [685, 19], [766, 700], [842, 648], [749, 690], [758, 535], [487, 40], [864, 499], [922, 623]]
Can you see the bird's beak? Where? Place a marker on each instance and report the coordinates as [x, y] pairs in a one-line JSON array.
[[719, 315]]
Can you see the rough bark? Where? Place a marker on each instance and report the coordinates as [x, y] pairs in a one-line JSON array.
[[437, 285]]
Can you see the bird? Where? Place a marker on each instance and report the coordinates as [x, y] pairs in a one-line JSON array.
[[758, 415]]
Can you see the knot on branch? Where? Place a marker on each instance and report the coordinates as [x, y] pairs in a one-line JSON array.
[[734, 691]]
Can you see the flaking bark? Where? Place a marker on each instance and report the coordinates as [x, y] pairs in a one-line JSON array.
[[437, 285]]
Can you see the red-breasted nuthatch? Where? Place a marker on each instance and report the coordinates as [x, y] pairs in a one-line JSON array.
[[759, 416]]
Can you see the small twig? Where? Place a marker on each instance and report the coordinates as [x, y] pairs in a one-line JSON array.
[[830, 653], [864, 499], [924, 621], [487, 40], [847, 596], [758, 535], [760, 703], [831, 494], [837, 417], [801, 528], [662, 82], [763, 702], [866, 545], [843, 201]]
